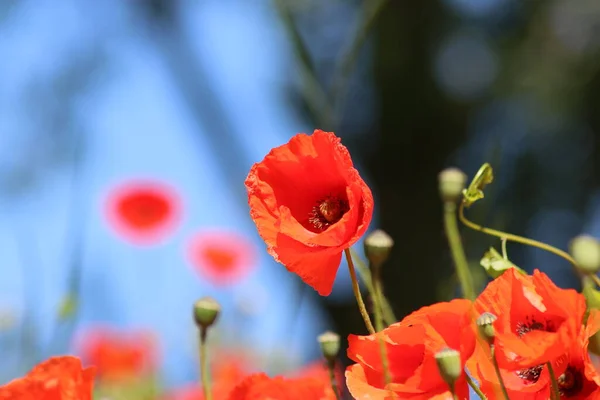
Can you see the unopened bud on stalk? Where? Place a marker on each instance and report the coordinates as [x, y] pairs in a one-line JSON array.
[[585, 250], [378, 246], [485, 324], [206, 311], [451, 184], [448, 362], [330, 345]]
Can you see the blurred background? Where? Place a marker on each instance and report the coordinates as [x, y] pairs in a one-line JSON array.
[[108, 108]]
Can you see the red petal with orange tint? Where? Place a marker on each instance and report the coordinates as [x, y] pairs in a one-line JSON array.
[[309, 204]]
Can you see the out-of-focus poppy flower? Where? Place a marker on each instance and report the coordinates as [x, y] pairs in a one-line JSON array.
[[411, 347], [58, 378], [309, 204], [143, 212], [221, 257], [320, 371], [537, 321], [119, 356], [576, 375], [261, 387], [227, 372]]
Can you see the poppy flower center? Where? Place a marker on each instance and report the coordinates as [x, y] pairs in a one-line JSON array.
[[531, 375], [570, 382], [327, 212]]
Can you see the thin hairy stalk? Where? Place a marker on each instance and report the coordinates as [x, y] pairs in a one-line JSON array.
[[204, 373], [475, 387], [458, 253], [365, 274], [379, 321], [356, 288], [498, 374]]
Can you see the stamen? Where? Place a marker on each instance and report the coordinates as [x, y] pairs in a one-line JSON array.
[[530, 375], [570, 382], [327, 212]]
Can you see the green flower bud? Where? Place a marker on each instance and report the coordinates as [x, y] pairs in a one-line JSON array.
[[451, 184], [206, 311], [330, 345], [585, 250], [485, 324], [378, 246], [449, 365]]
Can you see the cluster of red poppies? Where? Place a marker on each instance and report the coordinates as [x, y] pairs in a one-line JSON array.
[[521, 338]]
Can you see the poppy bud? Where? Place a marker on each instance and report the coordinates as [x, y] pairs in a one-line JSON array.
[[378, 246], [451, 184], [330, 345], [449, 365], [585, 250], [206, 311], [485, 324]]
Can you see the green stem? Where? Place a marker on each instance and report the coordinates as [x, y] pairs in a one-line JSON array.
[[379, 320], [204, 373], [498, 374], [357, 295], [458, 253], [334, 385], [365, 274], [475, 387], [555, 392], [514, 238]]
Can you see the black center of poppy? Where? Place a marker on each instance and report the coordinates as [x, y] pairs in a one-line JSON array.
[[531, 375], [327, 211], [531, 324], [570, 382]]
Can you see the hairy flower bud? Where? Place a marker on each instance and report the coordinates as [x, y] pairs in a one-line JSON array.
[[585, 250]]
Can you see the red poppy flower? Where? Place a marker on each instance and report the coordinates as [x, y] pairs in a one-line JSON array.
[[309, 204], [119, 356], [576, 375], [221, 257], [143, 212], [537, 321], [411, 347], [58, 378], [260, 387]]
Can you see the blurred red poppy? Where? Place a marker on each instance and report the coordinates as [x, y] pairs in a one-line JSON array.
[[143, 212], [221, 257], [117, 355]]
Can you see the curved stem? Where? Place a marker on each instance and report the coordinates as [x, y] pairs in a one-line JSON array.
[[595, 278], [458, 253], [555, 392], [388, 314], [359, 300], [475, 387], [204, 375], [498, 374], [513, 238]]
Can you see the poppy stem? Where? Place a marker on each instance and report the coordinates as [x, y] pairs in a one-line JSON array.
[[458, 252], [204, 374], [555, 394], [475, 387], [498, 374], [377, 296], [334, 385], [513, 238], [387, 312], [356, 288]]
